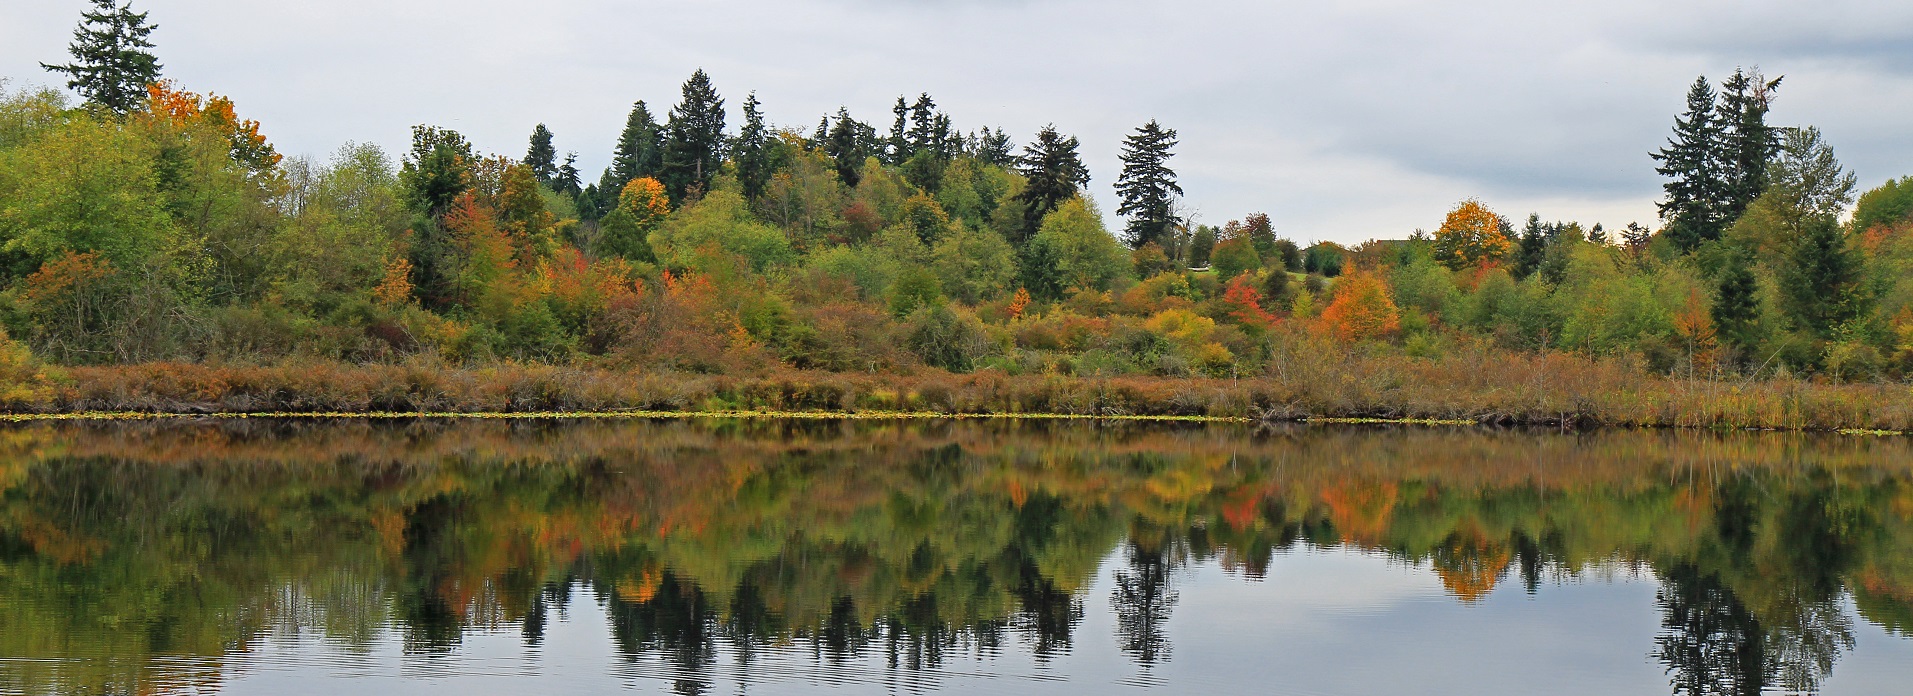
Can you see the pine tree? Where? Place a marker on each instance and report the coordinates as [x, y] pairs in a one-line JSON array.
[[111, 64], [1823, 284], [694, 138], [1736, 310], [640, 151], [542, 157], [751, 151], [1054, 172], [1696, 191], [1748, 143], [1148, 186]]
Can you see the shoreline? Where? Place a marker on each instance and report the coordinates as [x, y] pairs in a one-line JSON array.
[[1549, 390], [130, 416]]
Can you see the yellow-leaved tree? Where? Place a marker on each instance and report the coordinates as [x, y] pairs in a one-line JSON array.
[[1472, 235]]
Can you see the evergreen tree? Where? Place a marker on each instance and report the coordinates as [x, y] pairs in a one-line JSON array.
[[1054, 172], [850, 142], [1736, 310], [1748, 143], [437, 170], [640, 151], [897, 146], [1696, 190], [751, 152], [924, 122], [542, 157], [111, 64], [991, 147], [1532, 248], [694, 138], [1823, 284], [1148, 186], [569, 180]]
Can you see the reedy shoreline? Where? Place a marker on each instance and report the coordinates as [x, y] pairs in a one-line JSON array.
[[1559, 390]]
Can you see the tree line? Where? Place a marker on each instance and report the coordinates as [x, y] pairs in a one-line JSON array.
[[153, 223]]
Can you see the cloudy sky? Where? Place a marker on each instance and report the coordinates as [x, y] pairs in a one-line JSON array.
[[1343, 120]]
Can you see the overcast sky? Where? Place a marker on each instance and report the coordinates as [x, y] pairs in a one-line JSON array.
[[1343, 120]]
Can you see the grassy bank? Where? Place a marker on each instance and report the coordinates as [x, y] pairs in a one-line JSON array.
[[1493, 388]]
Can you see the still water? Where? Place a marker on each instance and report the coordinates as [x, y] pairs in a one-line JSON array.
[[765, 557]]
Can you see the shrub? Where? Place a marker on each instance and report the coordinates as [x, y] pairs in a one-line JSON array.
[[946, 339]]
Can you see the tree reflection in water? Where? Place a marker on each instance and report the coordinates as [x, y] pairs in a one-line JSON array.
[[904, 542]]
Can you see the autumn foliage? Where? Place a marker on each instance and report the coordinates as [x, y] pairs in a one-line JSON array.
[[1472, 235], [1361, 310]]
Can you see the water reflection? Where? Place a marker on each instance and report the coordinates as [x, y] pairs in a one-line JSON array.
[[142, 558]]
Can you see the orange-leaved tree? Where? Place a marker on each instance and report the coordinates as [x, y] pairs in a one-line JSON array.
[[182, 109], [1244, 301], [1471, 235], [1361, 309], [642, 207]]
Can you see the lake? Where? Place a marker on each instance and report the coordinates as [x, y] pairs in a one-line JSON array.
[[792, 557]]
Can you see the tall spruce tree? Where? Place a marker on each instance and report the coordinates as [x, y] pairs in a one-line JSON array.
[[1748, 144], [640, 151], [991, 146], [111, 62], [1148, 186], [751, 151], [1694, 211], [542, 157], [694, 138], [1054, 173]]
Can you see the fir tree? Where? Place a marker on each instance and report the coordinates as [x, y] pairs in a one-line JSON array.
[[1532, 249], [542, 157], [640, 151], [992, 147], [111, 64], [751, 152], [694, 138], [1054, 172], [1148, 186], [1748, 143], [1823, 284], [850, 142], [1696, 191], [1736, 310], [569, 180], [897, 146]]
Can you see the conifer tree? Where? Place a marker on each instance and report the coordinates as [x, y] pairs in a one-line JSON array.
[[111, 64], [1822, 284], [542, 157], [1694, 210], [992, 146], [849, 142], [640, 151], [1736, 310], [1532, 248], [1054, 172], [1148, 186], [751, 152], [897, 146], [568, 178], [694, 138], [1748, 144]]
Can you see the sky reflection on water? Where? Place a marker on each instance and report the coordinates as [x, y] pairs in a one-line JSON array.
[[956, 558]]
